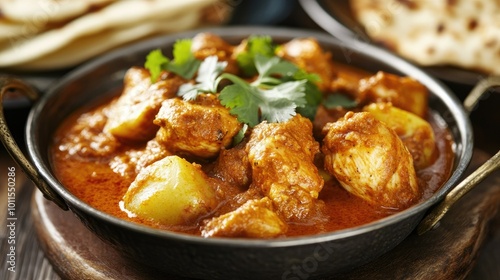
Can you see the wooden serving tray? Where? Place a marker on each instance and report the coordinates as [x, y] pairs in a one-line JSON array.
[[447, 252]]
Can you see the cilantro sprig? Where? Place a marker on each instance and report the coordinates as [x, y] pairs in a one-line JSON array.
[[266, 98], [278, 91], [253, 104], [339, 100], [262, 45], [183, 64], [259, 48]]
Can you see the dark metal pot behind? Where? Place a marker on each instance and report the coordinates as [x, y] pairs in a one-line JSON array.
[[290, 258]]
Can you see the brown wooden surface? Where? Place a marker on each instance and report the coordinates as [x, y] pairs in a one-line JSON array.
[[447, 252]]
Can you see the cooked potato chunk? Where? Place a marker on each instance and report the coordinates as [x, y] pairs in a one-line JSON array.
[[170, 191], [255, 219], [131, 117], [403, 92], [415, 132], [370, 161]]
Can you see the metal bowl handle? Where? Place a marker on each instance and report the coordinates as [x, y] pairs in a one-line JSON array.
[[10, 84], [477, 176]]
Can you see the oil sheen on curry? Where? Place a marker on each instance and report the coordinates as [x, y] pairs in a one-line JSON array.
[[255, 140]]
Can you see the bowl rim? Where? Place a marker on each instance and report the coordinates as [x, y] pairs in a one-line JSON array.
[[435, 86]]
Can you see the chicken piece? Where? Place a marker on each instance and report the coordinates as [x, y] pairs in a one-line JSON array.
[[232, 167], [347, 79], [130, 163], [308, 55], [207, 44], [326, 115], [254, 219], [171, 191], [403, 92], [415, 132], [131, 117], [200, 128], [87, 139], [370, 161], [282, 160]]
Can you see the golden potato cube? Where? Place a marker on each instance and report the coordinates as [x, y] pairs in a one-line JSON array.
[[170, 191], [415, 132]]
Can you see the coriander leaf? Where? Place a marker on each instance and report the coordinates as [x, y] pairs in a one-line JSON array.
[[262, 45], [338, 100], [272, 66], [240, 135], [313, 99], [182, 51], [303, 75], [275, 101], [313, 94], [185, 70], [206, 81], [279, 110], [282, 100], [188, 91], [208, 72], [245, 62], [252, 104], [183, 64], [293, 91], [242, 102], [155, 63]]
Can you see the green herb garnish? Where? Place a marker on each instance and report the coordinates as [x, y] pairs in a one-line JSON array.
[[280, 89], [338, 100], [155, 63], [183, 64], [206, 81], [262, 45], [266, 98]]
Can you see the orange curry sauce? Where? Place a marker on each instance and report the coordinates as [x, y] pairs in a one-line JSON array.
[[93, 181]]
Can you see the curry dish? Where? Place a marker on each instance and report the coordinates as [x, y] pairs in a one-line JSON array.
[[254, 140]]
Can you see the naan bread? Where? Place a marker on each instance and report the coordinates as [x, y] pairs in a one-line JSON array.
[[48, 10], [30, 46], [86, 47], [462, 33]]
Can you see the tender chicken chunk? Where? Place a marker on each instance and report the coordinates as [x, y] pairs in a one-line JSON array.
[[130, 163], [282, 160], [307, 54], [415, 132], [254, 219], [232, 166], [326, 115], [347, 79], [87, 139], [208, 44], [131, 117], [370, 161], [403, 92], [199, 128]]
